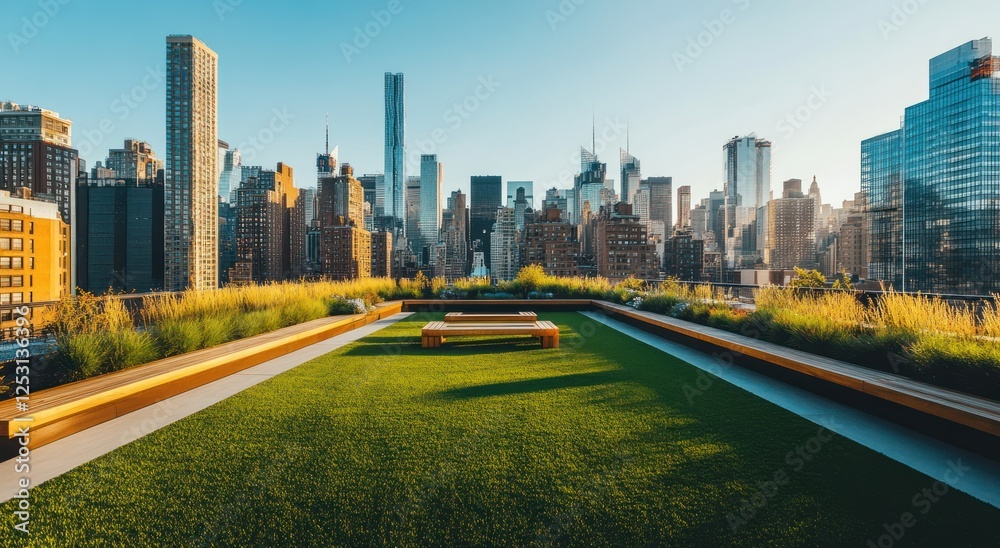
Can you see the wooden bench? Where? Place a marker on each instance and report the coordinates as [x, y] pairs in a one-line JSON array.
[[434, 333], [463, 317]]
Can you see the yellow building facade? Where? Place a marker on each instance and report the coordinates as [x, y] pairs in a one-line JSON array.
[[34, 255]]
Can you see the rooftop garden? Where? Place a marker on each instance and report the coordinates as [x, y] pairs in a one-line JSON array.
[[495, 442], [923, 338]]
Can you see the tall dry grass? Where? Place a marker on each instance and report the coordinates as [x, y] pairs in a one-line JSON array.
[[96, 335], [922, 314], [841, 308]]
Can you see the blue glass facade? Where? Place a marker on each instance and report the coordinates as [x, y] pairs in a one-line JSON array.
[[940, 232], [882, 183], [395, 149]]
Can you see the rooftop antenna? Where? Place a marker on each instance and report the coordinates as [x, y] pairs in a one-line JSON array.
[[327, 149], [593, 117], [628, 138]]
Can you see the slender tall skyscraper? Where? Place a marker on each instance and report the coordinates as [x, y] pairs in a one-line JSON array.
[[431, 174], [631, 176], [395, 150], [191, 186]]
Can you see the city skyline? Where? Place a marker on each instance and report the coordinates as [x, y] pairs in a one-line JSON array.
[[854, 100]]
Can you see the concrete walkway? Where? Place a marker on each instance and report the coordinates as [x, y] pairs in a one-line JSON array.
[[61, 456], [924, 454]]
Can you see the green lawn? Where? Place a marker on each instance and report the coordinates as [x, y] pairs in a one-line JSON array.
[[492, 442]]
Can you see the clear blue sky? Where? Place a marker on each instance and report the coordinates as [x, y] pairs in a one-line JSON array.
[[615, 58]]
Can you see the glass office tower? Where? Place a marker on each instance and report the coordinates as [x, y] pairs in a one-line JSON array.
[[431, 177], [748, 191], [882, 182], [939, 231], [486, 197], [393, 187]]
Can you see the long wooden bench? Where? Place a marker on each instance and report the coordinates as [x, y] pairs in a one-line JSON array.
[[434, 333], [465, 317], [64, 410]]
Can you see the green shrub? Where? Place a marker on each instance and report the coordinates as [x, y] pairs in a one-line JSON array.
[[125, 349], [340, 306], [967, 365], [659, 303], [302, 312], [80, 357], [177, 337], [727, 319], [215, 331]]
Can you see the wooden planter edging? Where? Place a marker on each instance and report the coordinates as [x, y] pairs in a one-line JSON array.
[[962, 419], [58, 412], [64, 410]]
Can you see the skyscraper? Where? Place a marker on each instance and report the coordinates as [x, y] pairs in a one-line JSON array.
[[431, 176], [411, 198], [933, 187], [683, 207], [504, 261], [230, 172], [266, 202], [191, 175], [346, 246], [792, 228], [310, 205], [395, 150], [455, 234], [631, 176], [747, 190], [326, 161], [528, 187], [661, 209], [36, 153], [589, 188], [485, 198]]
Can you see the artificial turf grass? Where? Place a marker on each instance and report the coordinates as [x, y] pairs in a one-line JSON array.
[[488, 441]]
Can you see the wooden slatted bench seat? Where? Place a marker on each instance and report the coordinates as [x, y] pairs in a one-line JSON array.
[[463, 317], [64, 410], [434, 333]]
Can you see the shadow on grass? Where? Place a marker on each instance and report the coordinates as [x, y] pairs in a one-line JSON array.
[[410, 346], [532, 385]]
